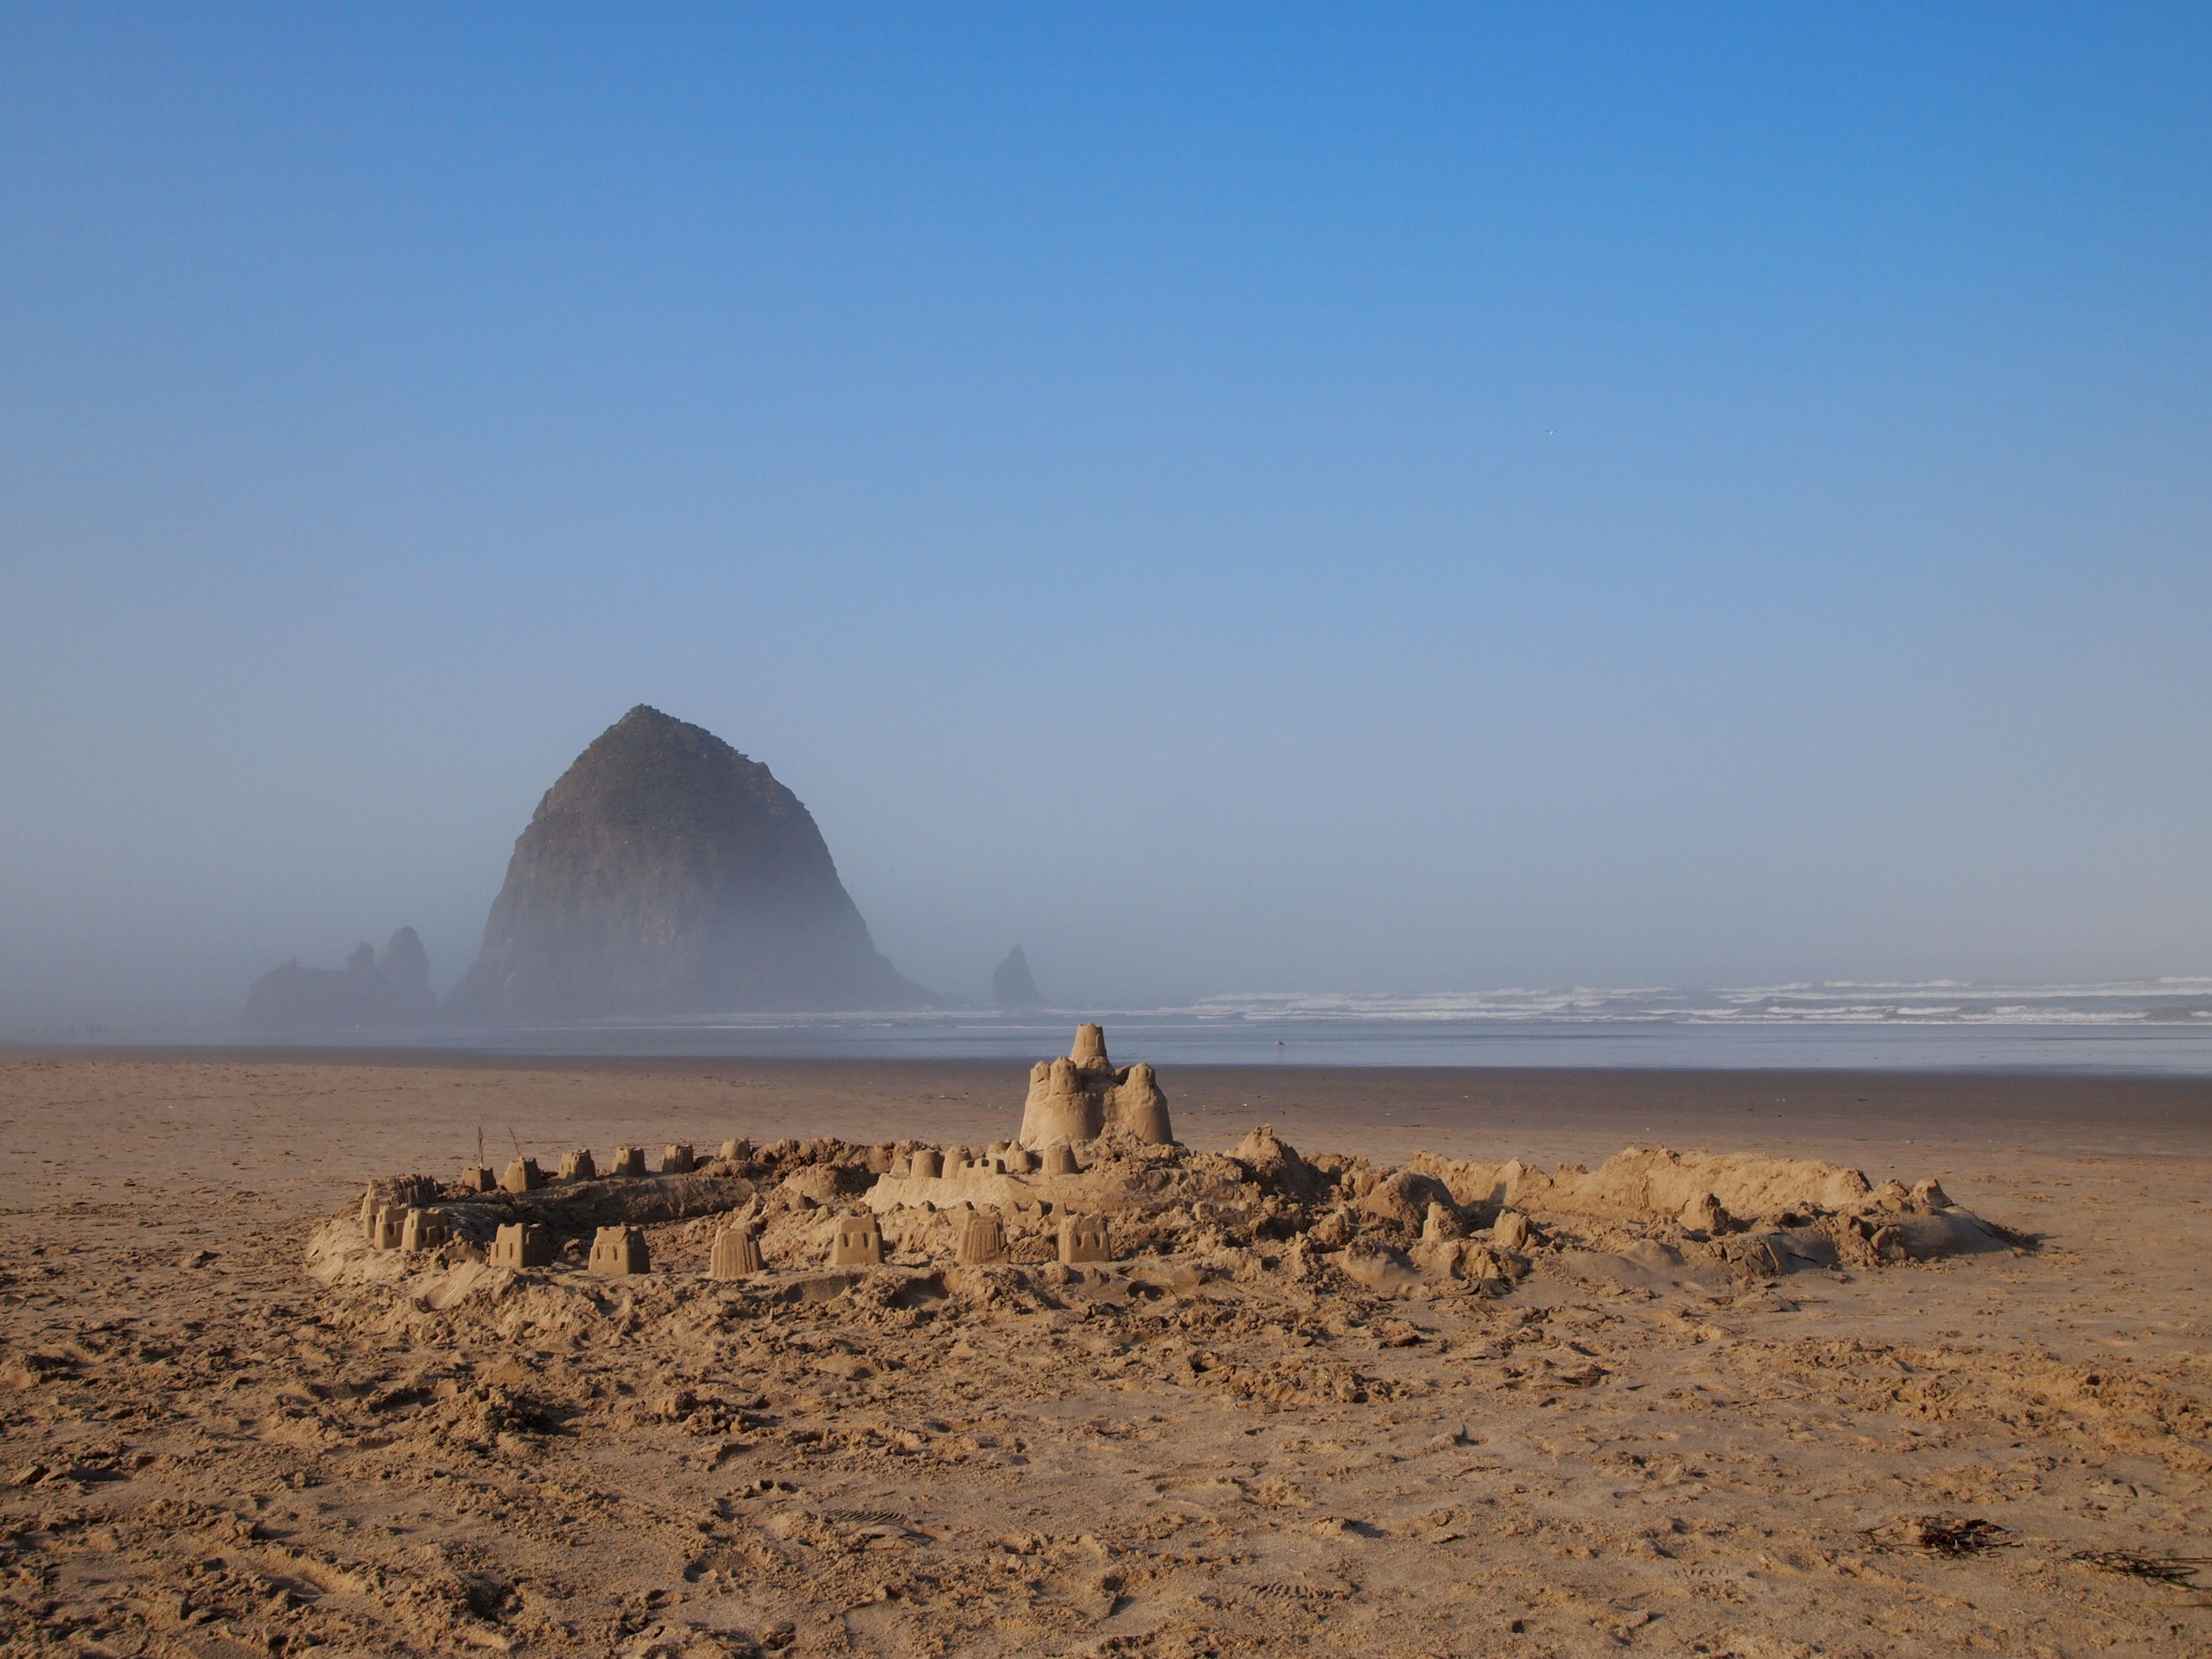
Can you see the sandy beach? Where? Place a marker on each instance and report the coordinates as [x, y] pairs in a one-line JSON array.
[[209, 1453]]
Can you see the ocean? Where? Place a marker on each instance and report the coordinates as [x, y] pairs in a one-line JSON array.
[[2159, 1026]]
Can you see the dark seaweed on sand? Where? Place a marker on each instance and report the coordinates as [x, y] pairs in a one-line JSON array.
[[1943, 1535], [2166, 1569]]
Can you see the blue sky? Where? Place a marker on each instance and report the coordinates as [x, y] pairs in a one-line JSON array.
[[1351, 498]]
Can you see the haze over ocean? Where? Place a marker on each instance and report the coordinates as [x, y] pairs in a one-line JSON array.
[[1251, 502]]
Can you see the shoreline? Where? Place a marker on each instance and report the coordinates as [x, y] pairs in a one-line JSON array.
[[2099, 1049]]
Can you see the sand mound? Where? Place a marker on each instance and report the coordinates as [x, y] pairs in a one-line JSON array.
[[1636, 1183]]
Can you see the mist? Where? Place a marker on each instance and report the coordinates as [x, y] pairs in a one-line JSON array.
[[1224, 505]]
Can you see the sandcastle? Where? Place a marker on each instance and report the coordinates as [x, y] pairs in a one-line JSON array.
[[1093, 1184], [386, 1227], [983, 1240], [401, 1192], [1080, 1096], [620, 1250], [858, 1241], [1003, 1204], [395, 1214], [1084, 1239], [522, 1245], [736, 1254]]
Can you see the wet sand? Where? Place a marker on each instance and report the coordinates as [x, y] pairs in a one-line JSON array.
[[178, 1393]]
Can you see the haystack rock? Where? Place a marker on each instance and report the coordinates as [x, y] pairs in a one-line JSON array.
[[665, 873], [387, 988], [1080, 1097], [1011, 986]]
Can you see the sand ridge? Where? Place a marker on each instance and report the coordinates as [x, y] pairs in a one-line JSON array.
[[1133, 1460]]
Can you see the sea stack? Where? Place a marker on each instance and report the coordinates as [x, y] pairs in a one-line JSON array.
[[1011, 986], [667, 874], [373, 989]]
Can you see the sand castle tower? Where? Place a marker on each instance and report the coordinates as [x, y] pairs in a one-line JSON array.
[[983, 1239], [857, 1242], [736, 1253], [1075, 1098]]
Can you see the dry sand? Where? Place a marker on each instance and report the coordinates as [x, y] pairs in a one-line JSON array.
[[212, 1454]]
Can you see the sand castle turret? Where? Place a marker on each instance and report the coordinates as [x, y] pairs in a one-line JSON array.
[[423, 1230], [617, 1251], [736, 1254], [857, 1242], [1084, 1239], [1080, 1096], [983, 1240], [522, 1244]]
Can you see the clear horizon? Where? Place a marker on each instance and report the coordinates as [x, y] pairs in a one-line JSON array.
[[1399, 503]]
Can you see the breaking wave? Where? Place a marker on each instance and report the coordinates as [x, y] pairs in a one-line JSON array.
[[1827, 1003]]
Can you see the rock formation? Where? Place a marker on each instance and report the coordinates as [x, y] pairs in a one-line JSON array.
[[1078, 1097], [1011, 986], [665, 873], [381, 990]]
